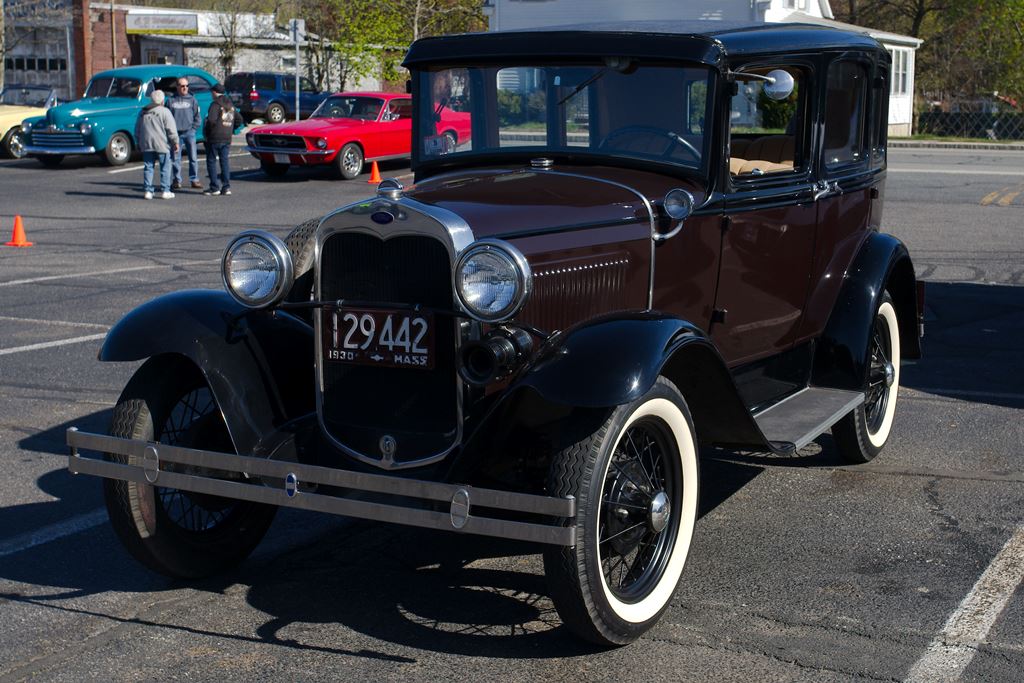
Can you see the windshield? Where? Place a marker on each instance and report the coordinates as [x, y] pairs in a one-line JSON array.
[[347, 107], [621, 107], [25, 96], [106, 86]]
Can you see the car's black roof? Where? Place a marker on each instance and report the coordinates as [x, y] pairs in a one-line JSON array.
[[705, 41]]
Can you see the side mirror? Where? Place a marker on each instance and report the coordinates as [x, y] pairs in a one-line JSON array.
[[780, 86]]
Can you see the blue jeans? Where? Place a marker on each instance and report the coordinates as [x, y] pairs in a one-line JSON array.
[[150, 158], [186, 140], [213, 154]]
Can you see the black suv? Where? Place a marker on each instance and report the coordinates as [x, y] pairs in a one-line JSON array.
[[271, 96]]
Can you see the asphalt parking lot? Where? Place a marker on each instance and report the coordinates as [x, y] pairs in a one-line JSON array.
[[802, 569]]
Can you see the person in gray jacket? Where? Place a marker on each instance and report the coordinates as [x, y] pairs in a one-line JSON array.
[[157, 136], [185, 109]]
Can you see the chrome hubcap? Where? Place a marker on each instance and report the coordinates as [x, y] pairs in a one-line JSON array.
[[16, 148], [119, 148], [890, 375], [659, 512]]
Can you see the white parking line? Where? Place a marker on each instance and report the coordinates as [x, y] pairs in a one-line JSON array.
[[952, 650], [52, 344], [52, 532], [952, 171], [59, 323], [112, 271], [969, 393], [139, 168]]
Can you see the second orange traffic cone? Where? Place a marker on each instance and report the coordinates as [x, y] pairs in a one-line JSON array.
[[18, 238], [374, 174]]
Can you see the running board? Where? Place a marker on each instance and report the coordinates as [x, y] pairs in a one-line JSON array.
[[802, 417]]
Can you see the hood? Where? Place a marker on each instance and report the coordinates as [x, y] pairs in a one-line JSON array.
[[11, 114], [511, 202], [89, 107], [311, 127]]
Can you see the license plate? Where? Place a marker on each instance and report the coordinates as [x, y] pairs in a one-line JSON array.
[[376, 336], [282, 159]]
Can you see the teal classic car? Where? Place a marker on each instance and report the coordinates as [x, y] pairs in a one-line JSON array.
[[103, 121]]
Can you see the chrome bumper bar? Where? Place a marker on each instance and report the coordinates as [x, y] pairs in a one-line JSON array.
[[36, 149], [286, 481], [290, 151]]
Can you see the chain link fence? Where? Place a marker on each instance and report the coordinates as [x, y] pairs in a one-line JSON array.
[[1006, 124]]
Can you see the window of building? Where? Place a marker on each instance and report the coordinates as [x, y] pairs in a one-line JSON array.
[[19, 63], [795, 4], [9, 63], [845, 114], [288, 62], [900, 71]]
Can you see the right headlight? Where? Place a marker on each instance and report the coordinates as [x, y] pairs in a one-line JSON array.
[[257, 269], [492, 280]]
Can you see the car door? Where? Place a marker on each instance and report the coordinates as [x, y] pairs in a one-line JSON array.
[[770, 215], [396, 127], [850, 169]]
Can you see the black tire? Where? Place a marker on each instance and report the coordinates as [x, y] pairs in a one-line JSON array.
[[275, 112], [272, 170], [451, 141], [168, 401], [300, 242], [119, 149], [50, 160], [862, 434], [618, 487], [12, 146], [349, 162]]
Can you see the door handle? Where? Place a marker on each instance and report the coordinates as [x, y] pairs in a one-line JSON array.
[[826, 189]]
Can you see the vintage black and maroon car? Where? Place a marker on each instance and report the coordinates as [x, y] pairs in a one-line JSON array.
[[657, 238]]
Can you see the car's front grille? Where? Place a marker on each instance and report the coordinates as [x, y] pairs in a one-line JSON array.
[[46, 138], [283, 142], [361, 404]]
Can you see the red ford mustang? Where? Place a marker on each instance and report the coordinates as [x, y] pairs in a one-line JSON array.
[[347, 130]]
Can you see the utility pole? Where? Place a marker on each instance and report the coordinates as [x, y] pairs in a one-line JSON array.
[[295, 37], [113, 43]]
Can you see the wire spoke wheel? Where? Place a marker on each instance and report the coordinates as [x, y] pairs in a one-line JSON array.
[[194, 420], [637, 527]]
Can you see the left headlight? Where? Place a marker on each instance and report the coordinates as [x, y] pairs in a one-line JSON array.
[[492, 280], [257, 269]]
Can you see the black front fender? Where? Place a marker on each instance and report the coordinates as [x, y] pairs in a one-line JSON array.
[[258, 364], [612, 361]]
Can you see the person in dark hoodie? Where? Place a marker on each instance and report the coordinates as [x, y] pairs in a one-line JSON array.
[[157, 137], [185, 109], [221, 122]]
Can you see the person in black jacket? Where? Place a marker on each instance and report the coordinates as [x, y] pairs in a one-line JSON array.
[[221, 122]]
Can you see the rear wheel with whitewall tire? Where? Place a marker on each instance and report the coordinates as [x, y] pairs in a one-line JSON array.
[[861, 435], [273, 170], [349, 161], [118, 150], [635, 481], [180, 534]]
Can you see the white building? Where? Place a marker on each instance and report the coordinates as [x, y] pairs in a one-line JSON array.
[[506, 15]]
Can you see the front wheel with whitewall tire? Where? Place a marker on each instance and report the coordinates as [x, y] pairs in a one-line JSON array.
[[861, 435], [118, 150], [12, 146], [635, 481]]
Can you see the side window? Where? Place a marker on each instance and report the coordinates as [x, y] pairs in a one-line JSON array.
[[845, 114], [306, 85], [197, 84], [265, 82], [400, 109], [288, 83], [879, 118], [768, 135]]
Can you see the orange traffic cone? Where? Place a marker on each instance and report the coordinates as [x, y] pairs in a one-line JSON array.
[[18, 238], [374, 174]]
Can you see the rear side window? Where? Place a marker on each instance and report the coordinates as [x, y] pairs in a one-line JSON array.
[[266, 82], [238, 82], [846, 114]]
